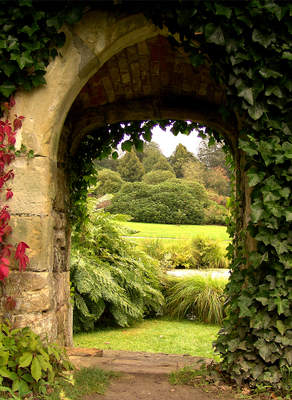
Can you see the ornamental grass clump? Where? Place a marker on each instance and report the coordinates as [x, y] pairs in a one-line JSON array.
[[197, 297]]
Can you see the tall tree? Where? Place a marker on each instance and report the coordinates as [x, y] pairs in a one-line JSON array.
[[180, 157], [212, 156], [108, 181], [130, 167]]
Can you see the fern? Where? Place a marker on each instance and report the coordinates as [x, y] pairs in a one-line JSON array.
[[111, 278]]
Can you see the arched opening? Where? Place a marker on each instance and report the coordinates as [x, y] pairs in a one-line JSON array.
[[146, 81]]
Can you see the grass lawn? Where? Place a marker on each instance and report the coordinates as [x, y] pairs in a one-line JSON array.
[[155, 336], [177, 231]]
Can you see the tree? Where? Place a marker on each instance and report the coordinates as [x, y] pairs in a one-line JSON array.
[[108, 163], [216, 179], [212, 156], [130, 167], [180, 157], [157, 176], [163, 164], [193, 171], [108, 181]]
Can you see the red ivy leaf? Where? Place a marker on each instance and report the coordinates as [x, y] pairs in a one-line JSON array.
[[4, 271], [21, 256], [17, 124], [11, 102], [7, 129], [10, 303], [9, 194]]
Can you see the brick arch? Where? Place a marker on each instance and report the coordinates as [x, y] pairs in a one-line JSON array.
[[148, 80], [112, 68]]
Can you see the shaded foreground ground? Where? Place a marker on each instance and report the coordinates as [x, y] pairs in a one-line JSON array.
[[145, 375]]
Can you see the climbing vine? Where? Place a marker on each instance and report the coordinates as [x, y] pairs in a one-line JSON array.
[[247, 46], [8, 131]]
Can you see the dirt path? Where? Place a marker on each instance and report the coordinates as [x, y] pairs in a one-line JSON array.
[[145, 375]]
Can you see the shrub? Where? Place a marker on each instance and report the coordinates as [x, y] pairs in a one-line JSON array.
[[215, 214], [26, 364], [170, 202], [111, 279], [157, 176], [200, 297], [107, 182]]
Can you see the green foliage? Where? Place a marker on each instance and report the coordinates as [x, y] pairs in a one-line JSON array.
[[130, 167], [26, 364], [208, 253], [215, 214], [199, 253], [108, 182], [157, 176], [169, 202], [196, 297], [112, 280], [180, 157], [29, 38]]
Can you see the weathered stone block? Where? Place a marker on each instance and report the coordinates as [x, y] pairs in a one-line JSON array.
[[37, 232], [34, 186]]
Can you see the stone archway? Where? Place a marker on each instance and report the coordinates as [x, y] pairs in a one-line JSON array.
[[112, 69]]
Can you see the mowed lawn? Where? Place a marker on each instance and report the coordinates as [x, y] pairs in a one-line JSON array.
[[155, 336], [177, 231]]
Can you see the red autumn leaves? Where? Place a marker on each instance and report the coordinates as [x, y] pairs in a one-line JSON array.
[[8, 132]]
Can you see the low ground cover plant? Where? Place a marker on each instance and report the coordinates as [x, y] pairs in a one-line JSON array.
[[27, 365]]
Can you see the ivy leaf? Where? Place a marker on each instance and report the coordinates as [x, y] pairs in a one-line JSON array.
[[281, 246], [282, 305], [269, 73], [288, 214], [287, 55], [7, 89], [274, 89], [214, 34], [262, 39], [115, 155], [247, 94], [222, 10], [139, 145], [256, 111], [35, 369], [25, 359], [257, 212], [24, 59], [248, 147], [281, 327], [255, 177], [127, 145], [8, 68], [287, 147], [244, 304]]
